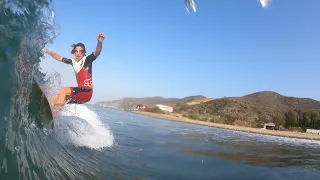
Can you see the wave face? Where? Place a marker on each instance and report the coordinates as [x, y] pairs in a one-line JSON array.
[[29, 151]]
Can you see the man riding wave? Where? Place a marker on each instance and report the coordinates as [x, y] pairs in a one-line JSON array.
[[82, 65]]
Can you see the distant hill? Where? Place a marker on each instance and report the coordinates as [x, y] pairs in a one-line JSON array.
[[250, 110], [128, 103], [198, 101]]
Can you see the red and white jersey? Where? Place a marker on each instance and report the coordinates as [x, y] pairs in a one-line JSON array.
[[83, 70]]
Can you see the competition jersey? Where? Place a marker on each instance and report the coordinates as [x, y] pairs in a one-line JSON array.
[[83, 70]]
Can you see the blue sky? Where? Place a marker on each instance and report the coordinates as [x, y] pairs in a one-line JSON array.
[[225, 48]]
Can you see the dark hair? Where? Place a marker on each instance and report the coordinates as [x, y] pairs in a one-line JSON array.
[[76, 45]]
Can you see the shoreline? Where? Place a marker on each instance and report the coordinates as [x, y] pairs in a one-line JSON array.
[[289, 134]]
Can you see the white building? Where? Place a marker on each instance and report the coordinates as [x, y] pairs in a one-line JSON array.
[[314, 131], [268, 126], [165, 108]]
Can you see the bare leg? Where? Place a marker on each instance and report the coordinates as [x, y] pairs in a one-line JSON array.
[[55, 108], [60, 100], [54, 98]]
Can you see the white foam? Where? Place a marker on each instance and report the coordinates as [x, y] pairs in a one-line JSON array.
[[241, 137], [80, 126]]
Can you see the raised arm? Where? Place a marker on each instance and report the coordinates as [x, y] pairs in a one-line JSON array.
[[100, 39], [54, 55]]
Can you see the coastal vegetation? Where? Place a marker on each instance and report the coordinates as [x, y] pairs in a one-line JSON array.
[[253, 110]]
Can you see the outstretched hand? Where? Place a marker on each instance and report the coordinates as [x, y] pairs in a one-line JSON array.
[[45, 50], [100, 37]]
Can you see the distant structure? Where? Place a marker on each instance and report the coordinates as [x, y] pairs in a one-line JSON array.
[[138, 107], [268, 126], [314, 131], [165, 108]]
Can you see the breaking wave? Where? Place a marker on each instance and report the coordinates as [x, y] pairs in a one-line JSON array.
[[29, 150]]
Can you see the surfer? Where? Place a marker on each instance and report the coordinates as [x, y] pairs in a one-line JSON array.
[[82, 65]]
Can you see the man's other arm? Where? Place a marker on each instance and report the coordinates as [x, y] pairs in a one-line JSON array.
[[54, 55], [100, 39], [58, 57]]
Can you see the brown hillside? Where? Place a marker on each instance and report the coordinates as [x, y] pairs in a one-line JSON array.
[[198, 101], [252, 109]]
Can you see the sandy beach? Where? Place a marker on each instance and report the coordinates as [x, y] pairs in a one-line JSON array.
[[232, 127]]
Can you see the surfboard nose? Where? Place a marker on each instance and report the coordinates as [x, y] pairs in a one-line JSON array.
[[39, 107]]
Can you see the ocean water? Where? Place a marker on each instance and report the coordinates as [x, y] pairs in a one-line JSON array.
[[93, 142], [113, 144]]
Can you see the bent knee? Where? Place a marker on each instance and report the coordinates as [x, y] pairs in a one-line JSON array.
[[66, 91]]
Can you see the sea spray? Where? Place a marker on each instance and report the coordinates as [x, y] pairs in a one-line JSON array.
[[81, 127], [25, 28]]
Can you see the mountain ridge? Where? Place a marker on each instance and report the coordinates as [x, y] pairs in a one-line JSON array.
[[131, 102], [254, 109], [249, 110]]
